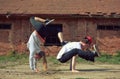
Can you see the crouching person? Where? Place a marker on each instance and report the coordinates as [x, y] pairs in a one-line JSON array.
[[72, 49]]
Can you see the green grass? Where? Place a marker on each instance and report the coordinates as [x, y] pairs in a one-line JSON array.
[[105, 58], [53, 60], [14, 58]]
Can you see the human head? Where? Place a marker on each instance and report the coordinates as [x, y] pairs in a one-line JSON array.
[[39, 55], [87, 40]]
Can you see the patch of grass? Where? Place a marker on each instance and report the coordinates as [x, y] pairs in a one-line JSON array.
[[53, 60], [12, 59], [110, 59], [118, 54], [104, 58]]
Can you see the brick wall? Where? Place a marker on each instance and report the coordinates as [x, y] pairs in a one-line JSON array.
[[74, 29]]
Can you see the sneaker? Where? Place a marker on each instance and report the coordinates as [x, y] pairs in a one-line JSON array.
[[48, 21]]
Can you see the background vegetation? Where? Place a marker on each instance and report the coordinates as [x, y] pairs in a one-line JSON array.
[[14, 58]]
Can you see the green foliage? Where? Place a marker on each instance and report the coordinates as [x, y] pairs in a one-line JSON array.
[[14, 56], [105, 58], [12, 59], [53, 60], [118, 54]]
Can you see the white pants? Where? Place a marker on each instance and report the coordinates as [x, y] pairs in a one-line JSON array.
[[34, 47]]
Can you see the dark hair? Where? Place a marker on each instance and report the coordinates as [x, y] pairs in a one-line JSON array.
[[87, 40], [41, 53]]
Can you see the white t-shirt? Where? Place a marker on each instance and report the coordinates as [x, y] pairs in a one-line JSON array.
[[68, 47], [34, 43]]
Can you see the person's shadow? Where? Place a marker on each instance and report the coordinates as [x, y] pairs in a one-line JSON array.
[[92, 70]]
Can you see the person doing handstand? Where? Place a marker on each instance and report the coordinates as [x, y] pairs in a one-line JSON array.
[[36, 40]]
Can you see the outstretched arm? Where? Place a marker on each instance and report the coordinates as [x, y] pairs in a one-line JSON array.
[[74, 64], [44, 62], [38, 56]]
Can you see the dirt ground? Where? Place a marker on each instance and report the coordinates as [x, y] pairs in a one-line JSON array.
[[61, 71]]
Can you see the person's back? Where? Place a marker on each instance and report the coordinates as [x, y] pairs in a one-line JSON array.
[[69, 46], [72, 45]]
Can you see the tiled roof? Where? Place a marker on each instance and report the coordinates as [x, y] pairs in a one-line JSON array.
[[60, 7]]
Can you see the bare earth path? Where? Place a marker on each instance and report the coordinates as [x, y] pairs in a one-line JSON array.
[[87, 71]]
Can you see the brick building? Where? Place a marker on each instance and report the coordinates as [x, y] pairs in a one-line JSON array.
[[97, 18]]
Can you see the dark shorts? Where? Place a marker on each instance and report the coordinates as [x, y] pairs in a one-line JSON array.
[[36, 24], [39, 27]]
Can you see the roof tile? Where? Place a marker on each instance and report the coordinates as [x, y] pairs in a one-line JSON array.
[[60, 6]]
